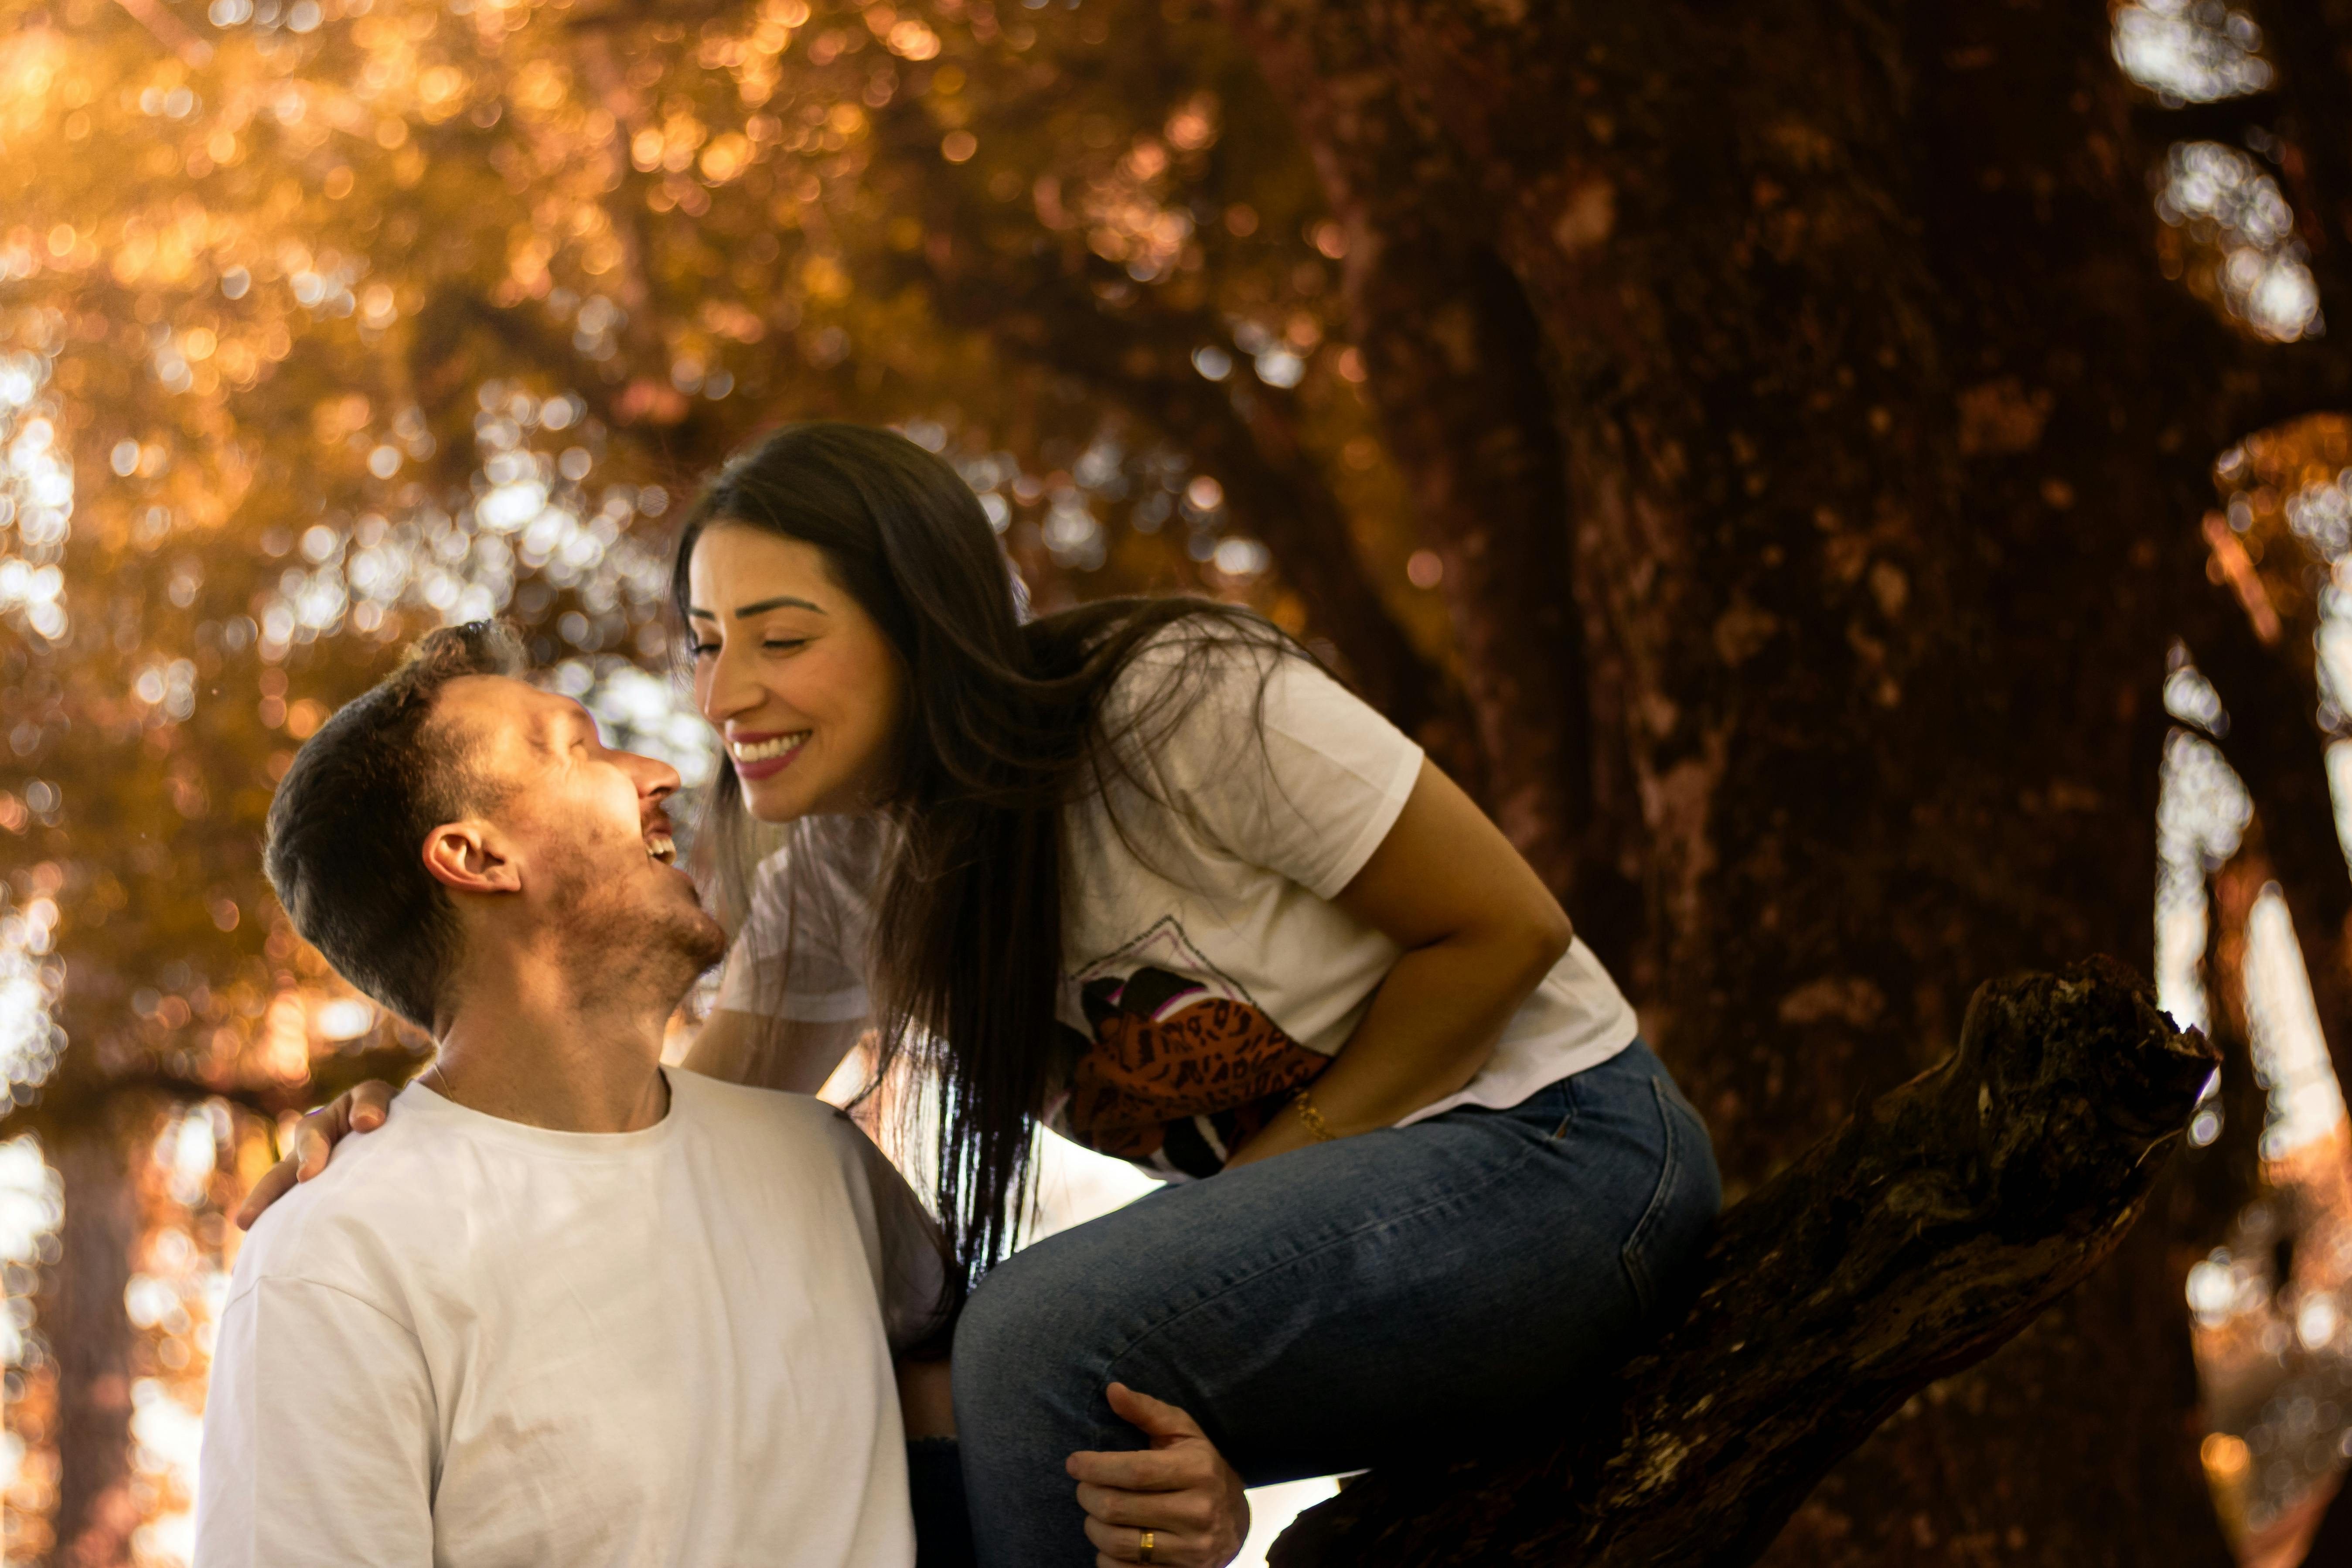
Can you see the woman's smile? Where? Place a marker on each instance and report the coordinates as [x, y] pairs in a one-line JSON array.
[[764, 757]]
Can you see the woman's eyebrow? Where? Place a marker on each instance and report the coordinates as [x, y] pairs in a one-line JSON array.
[[780, 603]]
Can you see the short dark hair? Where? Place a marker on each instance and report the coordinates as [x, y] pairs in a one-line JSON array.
[[348, 825]]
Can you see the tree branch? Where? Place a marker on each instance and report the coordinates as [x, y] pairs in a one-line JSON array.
[[170, 32], [2225, 120], [438, 367], [1912, 1242], [51, 1116], [1044, 306]]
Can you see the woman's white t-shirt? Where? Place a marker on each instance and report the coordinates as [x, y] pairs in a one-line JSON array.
[[1207, 975]]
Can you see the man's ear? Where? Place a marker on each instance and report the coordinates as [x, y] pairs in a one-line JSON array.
[[472, 857]]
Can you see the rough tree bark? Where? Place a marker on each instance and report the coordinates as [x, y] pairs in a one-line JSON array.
[[1931, 1227], [89, 1338], [1884, 445]]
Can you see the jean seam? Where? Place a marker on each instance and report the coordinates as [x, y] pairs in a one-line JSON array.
[[1669, 1167], [1111, 1362], [1568, 1117]]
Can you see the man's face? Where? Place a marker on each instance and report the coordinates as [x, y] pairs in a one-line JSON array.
[[584, 826]]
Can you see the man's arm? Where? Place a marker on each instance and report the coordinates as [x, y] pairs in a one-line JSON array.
[[320, 1432], [925, 1398], [794, 1055]]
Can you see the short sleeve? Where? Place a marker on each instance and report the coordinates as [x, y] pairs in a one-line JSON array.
[[913, 1285], [1288, 770], [319, 1436], [800, 954]]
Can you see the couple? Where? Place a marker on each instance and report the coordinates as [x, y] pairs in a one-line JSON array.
[[1139, 871]]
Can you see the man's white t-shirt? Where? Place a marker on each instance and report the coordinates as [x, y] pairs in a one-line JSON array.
[[472, 1343], [1207, 975]]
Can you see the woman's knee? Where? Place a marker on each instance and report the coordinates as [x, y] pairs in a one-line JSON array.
[[990, 1336], [1022, 1332]]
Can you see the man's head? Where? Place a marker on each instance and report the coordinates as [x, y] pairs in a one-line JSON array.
[[455, 805]]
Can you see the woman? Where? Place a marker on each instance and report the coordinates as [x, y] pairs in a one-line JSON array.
[[1143, 872]]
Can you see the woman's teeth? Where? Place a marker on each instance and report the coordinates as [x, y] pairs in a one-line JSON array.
[[662, 847], [766, 750]]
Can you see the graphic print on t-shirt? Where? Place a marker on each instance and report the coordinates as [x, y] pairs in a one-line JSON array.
[[1177, 1065]]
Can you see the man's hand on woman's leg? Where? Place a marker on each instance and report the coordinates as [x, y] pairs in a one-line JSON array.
[[1178, 1494]]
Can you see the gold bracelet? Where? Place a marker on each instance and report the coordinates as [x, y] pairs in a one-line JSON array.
[[1313, 1118]]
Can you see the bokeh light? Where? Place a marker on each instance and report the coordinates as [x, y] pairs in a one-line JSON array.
[[2190, 51], [2225, 200]]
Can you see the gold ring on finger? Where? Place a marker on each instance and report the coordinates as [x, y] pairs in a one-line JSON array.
[[1144, 1547]]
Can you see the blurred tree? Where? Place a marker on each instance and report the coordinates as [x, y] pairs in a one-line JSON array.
[[1882, 444], [327, 324], [1763, 455]]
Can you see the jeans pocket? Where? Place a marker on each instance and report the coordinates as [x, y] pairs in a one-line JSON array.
[[1672, 1229]]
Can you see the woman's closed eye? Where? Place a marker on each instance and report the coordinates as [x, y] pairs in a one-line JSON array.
[[773, 645]]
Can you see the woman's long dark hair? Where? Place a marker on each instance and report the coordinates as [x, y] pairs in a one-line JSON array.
[[1002, 725]]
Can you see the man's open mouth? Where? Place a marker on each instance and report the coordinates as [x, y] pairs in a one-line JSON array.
[[661, 846]]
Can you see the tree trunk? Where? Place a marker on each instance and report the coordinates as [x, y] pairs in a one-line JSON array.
[[1884, 445], [2276, 745], [1456, 373], [92, 1117], [1931, 1227], [90, 1336]]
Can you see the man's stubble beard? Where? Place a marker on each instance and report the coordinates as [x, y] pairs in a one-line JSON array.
[[620, 952]]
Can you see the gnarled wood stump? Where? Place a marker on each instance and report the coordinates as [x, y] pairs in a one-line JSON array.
[[1916, 1239]]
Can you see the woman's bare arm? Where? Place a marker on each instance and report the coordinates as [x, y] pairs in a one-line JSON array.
[[1479, 930], [789, 1054]]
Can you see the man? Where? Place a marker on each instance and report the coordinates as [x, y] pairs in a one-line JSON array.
[[567, 1306]]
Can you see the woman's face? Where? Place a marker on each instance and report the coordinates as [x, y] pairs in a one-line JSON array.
[[792, 673]]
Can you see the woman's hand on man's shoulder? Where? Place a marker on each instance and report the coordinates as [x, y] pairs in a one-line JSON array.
[[358, 1109]]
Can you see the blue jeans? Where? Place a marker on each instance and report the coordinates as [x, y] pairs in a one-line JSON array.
[[1321, 1310]]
